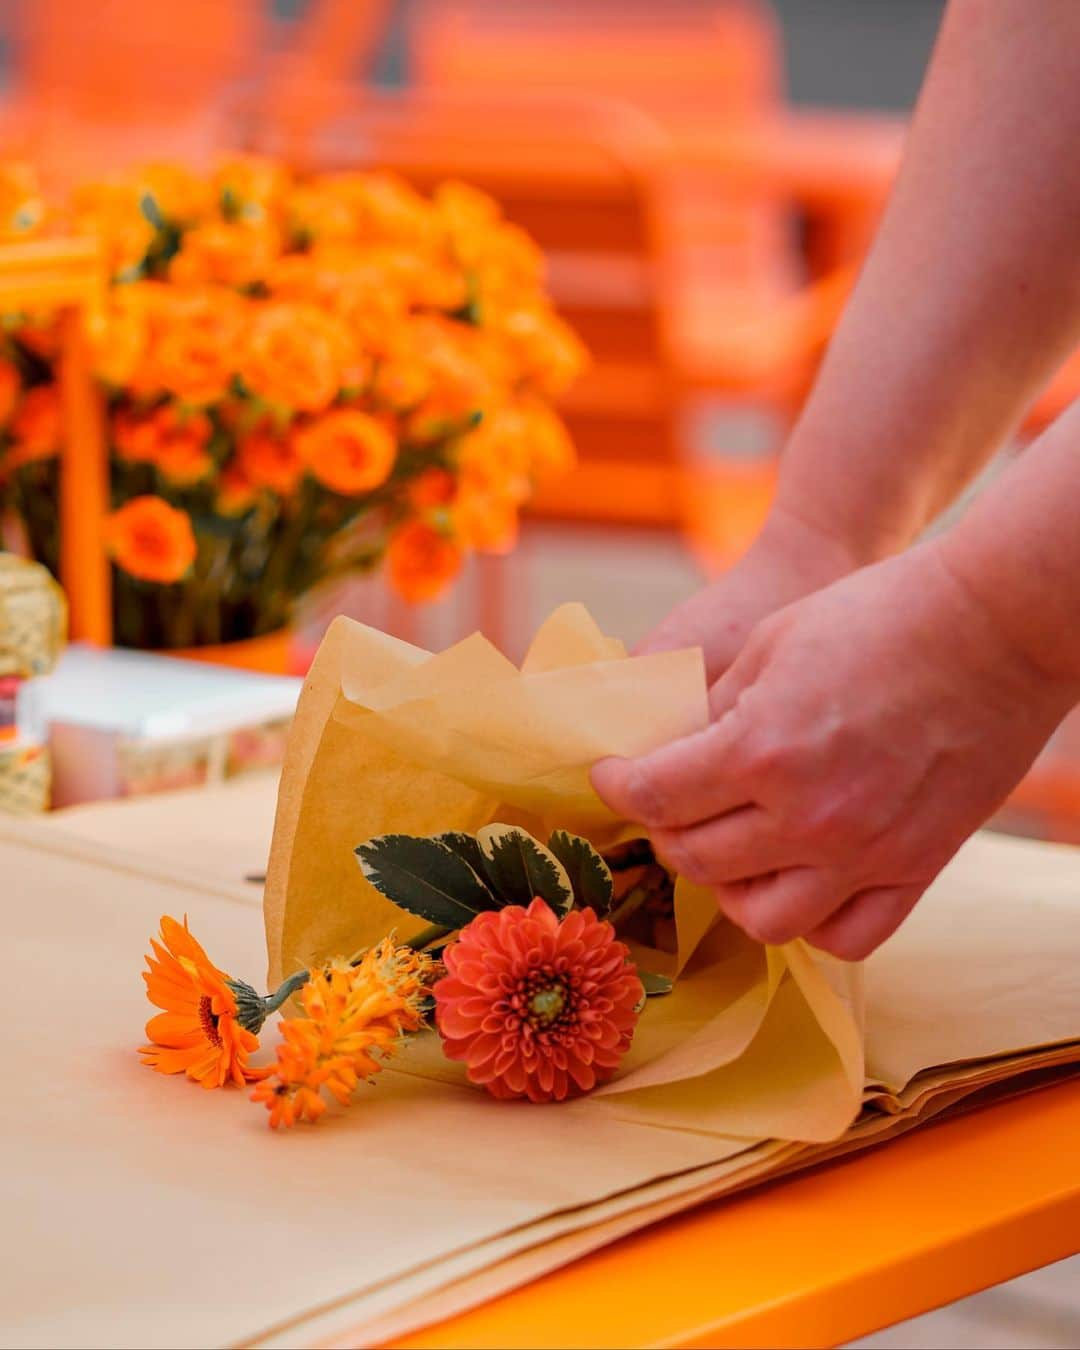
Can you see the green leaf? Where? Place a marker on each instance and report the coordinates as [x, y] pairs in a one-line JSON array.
[[426, 878], [465, 846], [589, 874], [655, 985], [520, 868]]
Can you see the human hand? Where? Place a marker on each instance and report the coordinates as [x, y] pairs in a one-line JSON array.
[[858, 739], [789, 559]]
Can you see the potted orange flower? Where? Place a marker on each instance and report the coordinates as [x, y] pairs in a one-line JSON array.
[[303, 376]]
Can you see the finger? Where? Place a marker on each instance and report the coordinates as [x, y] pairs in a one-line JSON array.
[[738, 846], [784, 906], [864, 923], [679, 784]]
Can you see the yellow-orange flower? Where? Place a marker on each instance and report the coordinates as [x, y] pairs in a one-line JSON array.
[[225, 253], [113, 212], [10, 385], [151, 540], [432, 488], [355, 1019], [386, 208], [548, 353], [270, 461], [197, 1032], [36, 426], [250, 186], [299, 356], [172, 439], [120, 340], [485, 521], [179, 194], [193, 349], [347, 451], [422, 562]]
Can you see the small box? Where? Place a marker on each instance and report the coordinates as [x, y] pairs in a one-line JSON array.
[[123, 723]]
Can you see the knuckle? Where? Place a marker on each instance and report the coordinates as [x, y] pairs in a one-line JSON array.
[[685, 856]]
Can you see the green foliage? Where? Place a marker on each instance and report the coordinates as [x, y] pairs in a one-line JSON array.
[[426, 878], [589, 874], [519, 868]]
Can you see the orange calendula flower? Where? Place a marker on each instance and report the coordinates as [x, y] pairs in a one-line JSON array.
[[151, 540], [347, 451], [298, 356], [270, 461], [356, 1016], [36, 426], [197, 1032], [422, 562]]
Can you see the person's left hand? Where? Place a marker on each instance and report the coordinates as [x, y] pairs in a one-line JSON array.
[[859, 738]]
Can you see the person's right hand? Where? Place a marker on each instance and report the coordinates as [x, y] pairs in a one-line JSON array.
[[788, 560]]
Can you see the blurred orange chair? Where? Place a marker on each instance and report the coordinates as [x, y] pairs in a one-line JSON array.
[[98, 86]]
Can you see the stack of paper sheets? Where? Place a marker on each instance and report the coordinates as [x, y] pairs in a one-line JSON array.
[[143, 1211]]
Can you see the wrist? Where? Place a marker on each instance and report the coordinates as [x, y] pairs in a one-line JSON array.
[[815, 547], [1015, 638]]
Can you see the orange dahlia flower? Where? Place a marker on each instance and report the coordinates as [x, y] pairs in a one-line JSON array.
[[197, 1033], [299, 356], [347, 451], [179, 193], [355, 1018], [267, 460], [422, 562], [151, 540], [536, 1006]]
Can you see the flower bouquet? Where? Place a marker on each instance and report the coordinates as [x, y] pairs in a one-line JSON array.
[[523, 924], [303, 376]]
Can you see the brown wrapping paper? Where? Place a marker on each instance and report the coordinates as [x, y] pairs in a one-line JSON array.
[[389, 738], [178, 1218]]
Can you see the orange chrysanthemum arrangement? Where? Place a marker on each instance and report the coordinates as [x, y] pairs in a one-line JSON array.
[[522, 972], [317, 373]]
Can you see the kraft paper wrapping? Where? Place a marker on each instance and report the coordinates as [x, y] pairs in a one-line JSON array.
[[177, 1217], [389, 739]]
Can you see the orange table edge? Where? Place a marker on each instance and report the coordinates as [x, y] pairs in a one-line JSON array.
[[825, 1256]]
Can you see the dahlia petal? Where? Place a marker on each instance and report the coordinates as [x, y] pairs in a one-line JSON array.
[[583, 1074]]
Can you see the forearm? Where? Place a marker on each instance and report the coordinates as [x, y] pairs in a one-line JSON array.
[[971, 295], [1017, 551]]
